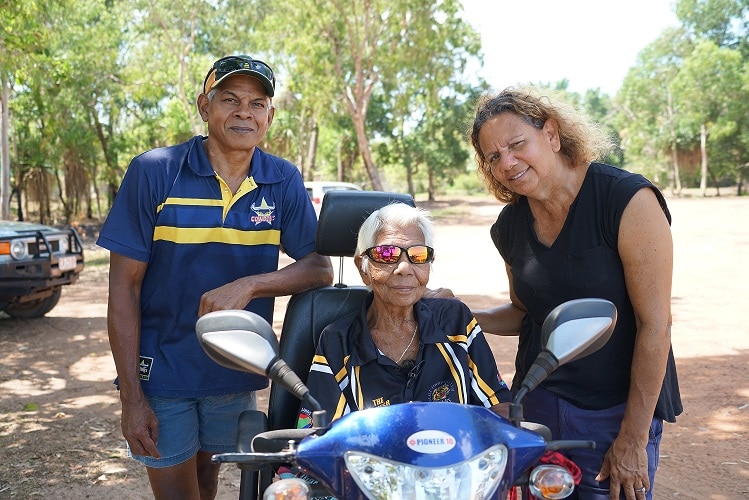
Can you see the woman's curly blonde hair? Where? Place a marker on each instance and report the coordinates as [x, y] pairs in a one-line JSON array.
[[581, 139]]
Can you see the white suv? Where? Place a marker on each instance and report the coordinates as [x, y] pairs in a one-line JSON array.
[[317, 189]]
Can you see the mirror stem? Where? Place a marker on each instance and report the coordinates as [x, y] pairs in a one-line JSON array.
[[516, 410], [544, 364]]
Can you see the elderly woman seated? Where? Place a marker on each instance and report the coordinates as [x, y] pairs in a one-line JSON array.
[[402, 346]]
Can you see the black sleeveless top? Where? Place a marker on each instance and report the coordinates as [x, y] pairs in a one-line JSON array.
[[582, 262]]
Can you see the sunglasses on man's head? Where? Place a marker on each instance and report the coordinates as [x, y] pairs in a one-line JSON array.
[[233, 63], [390, 254]]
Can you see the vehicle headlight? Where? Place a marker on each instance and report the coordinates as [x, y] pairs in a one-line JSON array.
[[18, 249], [551, 482], [63, 245], [475, 478]]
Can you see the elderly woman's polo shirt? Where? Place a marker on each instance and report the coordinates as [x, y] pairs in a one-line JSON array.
[[454, 363]]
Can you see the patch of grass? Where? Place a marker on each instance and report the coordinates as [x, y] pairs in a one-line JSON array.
[[447, 212]]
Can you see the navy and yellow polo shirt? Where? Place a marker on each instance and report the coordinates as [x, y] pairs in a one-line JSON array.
[[173, 212], [454, 363]]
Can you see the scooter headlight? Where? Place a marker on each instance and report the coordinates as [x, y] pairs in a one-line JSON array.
[[475, 478], [551, 482]]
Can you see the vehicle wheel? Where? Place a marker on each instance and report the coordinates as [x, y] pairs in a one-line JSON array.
[[35, 309]]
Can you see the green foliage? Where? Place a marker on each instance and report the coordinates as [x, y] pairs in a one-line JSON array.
[[689, 82], [724, 22], [384, 65], [467, 183], [368, 91]]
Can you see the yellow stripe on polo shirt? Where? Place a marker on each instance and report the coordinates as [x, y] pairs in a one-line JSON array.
[[199, 202], [471, 327], [342, 373], [456, 376], [485, 388], [359, 396], [227, 197], [458, 339], [340, 407], [217, 235]]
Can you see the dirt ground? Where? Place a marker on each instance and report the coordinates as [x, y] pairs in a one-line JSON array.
[[59, 413]]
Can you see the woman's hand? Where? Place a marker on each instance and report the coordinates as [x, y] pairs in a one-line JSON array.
[[626, 466]]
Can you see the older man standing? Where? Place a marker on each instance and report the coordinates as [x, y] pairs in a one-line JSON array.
[[195, 228]]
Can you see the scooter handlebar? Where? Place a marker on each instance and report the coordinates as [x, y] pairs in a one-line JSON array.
[[259, 459]]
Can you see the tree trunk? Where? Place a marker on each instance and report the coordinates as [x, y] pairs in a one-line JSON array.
[[312, 150], [675, 165], [410, 180], [66, 203], [339, 160], [366, 154], [715, 181], [703, 157], [432, 189], [4, 149], [676, 186]]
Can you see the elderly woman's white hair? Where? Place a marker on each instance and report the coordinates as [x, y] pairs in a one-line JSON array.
[[396, 215]]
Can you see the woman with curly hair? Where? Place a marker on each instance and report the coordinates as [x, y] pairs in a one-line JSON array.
[[575, 228]]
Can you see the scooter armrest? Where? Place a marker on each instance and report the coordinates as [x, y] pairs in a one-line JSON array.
[[278, 440], [541, 429]]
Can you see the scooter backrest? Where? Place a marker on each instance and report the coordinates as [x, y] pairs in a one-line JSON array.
[[308, 313]]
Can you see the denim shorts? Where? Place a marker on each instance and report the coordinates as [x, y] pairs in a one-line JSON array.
[[189, 425], [567, 421]]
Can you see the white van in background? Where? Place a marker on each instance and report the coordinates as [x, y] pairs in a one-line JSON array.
[[317, 189]]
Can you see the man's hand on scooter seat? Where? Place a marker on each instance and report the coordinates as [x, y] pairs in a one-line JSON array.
[[439, 293]]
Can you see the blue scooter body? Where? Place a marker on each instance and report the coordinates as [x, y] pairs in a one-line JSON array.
[[421, 434]]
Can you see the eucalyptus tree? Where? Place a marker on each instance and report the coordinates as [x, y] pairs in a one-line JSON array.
[[342, 55], [53, 101], [429, 102], [709, 94], [724, 22], [89, 135], [645, 114], [163, 62], [23, 35]]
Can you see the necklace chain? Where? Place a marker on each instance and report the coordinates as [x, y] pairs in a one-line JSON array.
[[409, 344]]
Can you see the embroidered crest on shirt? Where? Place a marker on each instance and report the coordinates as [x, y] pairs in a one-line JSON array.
[[304, 420], [439, 392], [263, 212]]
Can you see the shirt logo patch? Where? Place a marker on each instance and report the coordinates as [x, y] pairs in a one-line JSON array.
[[440, 392], [146, 364], [304, 420], [263, 212]]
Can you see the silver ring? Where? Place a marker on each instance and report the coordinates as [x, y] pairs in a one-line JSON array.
[[642, 490]]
